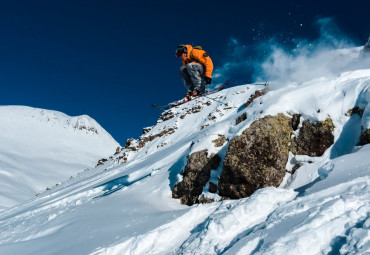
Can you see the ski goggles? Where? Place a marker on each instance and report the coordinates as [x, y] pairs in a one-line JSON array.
[[180, 50]]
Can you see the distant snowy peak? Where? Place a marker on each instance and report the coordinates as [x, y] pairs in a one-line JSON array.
[[84, 122], [52, 118], [39, 148]]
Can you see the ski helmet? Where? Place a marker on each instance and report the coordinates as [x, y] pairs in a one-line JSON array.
[[181, 49]]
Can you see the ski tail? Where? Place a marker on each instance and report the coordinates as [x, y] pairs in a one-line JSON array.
[[159, 107]]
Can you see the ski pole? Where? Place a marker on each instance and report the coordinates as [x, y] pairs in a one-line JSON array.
[[266, 84], [226, 104]]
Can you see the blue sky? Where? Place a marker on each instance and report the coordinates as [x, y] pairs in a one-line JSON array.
[[112, 59]]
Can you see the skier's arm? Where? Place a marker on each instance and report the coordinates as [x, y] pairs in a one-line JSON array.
[[203, 58]]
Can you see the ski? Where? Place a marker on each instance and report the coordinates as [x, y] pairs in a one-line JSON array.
[[180, 102]]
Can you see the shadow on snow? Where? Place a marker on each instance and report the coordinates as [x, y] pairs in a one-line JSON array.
[[117, 184]]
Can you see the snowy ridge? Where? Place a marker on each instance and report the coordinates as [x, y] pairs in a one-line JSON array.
[[124, 205], [52, 118], [40, 148]]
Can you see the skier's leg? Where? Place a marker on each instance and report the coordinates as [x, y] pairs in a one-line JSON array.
[[196, 73], [186, 79]]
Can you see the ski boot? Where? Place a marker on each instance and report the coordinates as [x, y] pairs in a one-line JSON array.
[[196, 93], [187, 96]]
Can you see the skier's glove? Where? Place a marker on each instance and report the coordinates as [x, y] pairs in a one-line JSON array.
[[207, 80]]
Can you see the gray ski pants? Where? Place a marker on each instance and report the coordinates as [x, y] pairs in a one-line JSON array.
[[192, 75]]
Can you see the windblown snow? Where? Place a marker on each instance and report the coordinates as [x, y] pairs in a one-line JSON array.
[[125, 206], [40, 148]]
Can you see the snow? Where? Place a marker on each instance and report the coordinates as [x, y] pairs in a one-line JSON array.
[[39, 148], [127, 208], [318, 221]]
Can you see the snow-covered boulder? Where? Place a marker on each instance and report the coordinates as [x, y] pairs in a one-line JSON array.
[[258, 157], [196, 175], [314, 138]]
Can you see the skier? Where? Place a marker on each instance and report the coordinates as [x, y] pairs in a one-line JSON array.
[[196, 66]]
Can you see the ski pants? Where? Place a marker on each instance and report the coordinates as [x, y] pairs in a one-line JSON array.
[[192, 75]]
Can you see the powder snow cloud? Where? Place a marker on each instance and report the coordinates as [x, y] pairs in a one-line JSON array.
[[327, 56]]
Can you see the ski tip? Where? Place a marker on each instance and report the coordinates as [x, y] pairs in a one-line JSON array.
[[157, 106], [265, 84]]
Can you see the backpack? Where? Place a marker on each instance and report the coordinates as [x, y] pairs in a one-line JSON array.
[[198, 48]]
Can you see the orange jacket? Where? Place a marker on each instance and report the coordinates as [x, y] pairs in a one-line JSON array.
[[199, 56]]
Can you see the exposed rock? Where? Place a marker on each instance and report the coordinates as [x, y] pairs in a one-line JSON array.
[[365, 137], [295, 167], [355, 110], [211, 117], [221, 140], [145, 139], [295, 121], [141, 144], [122, 158], [80, 126], [102, 161], [166, 115], [212, 187], [257, 158], [241, 118], [129, 142], [196, 174], [118, 150], [146, 130], [161, 145], [195, 109], [204, 126], [205, 200], [256, 94], [313, 139]]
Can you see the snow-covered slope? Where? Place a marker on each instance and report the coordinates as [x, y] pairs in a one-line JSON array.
[[125, 205], [40, 148]]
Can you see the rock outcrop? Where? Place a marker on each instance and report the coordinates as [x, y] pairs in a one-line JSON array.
[[313, 139], [196, 174], [241, 118], [256, 94], [257, 158], [365, 137], [221, 140]]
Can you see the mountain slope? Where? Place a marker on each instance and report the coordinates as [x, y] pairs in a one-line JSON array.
[[40, 148], [125, 205]]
